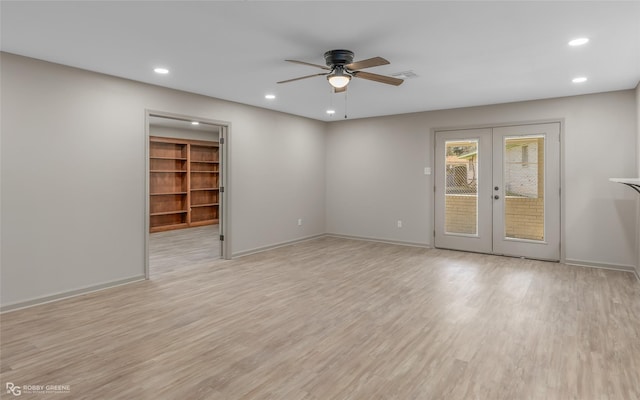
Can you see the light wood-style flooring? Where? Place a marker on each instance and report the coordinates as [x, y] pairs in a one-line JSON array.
[[175, 249], [340, 319]]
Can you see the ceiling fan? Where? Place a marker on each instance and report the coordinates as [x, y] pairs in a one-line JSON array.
[[342, 68]]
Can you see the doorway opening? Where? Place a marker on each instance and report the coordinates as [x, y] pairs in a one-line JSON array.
[[498, 190], [185, 192]]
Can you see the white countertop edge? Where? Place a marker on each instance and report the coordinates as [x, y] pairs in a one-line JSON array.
[[629, 181]]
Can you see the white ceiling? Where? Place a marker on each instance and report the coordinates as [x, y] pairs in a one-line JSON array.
[[464, 53], [168, 122]]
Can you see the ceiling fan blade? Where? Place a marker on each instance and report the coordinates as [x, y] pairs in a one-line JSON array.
[[312, 65], [368, 63], [389, 80], [340, 90], [302, 77]]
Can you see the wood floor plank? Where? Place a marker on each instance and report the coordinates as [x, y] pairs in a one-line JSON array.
[[337, 319]]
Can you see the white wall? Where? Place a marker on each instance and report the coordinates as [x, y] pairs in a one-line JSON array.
[[164, 131], [375, 172], [375, 178], [73, 173]]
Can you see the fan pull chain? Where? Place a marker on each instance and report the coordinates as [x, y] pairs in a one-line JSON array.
[[345, 105]]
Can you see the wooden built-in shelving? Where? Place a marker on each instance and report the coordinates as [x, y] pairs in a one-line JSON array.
[[169, 212], [183, 183]]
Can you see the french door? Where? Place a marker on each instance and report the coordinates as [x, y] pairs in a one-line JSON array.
[[497, 190]]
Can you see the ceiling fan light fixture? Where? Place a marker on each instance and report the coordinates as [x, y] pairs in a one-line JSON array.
[[339, 78], [339, 81]]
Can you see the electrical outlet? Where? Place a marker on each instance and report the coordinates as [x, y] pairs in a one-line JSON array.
[[399, 224], [299, 221]]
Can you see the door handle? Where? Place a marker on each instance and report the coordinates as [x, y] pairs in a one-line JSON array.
[[496, 197]]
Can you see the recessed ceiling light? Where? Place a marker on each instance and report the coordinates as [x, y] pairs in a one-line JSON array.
[[579, 41], [269, 96], [331, 112], [161, 70], [579, 79], [195, 123]]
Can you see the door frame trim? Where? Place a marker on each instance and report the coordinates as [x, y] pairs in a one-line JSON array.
[[559, 120], [224, 225]]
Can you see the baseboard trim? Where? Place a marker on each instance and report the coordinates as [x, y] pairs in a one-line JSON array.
[[387, 241], [275, 246], [593, 264], [65, 295], [95, 288]]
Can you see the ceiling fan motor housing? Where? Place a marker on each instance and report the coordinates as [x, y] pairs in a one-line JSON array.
[[338, 57]]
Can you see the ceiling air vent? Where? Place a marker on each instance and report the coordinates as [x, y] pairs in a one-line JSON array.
[[405, 75]]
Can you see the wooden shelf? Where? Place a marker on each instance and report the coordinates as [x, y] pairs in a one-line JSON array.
[[183, 183], [168, 227], [168, 158], [167, 194], [168, 213], [205, 222], [204, 205]]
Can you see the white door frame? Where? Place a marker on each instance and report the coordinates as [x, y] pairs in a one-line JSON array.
[[561, 172], [224, 224]]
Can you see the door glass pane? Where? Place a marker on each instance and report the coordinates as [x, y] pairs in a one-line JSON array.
[[461, 193], [524, 187]]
